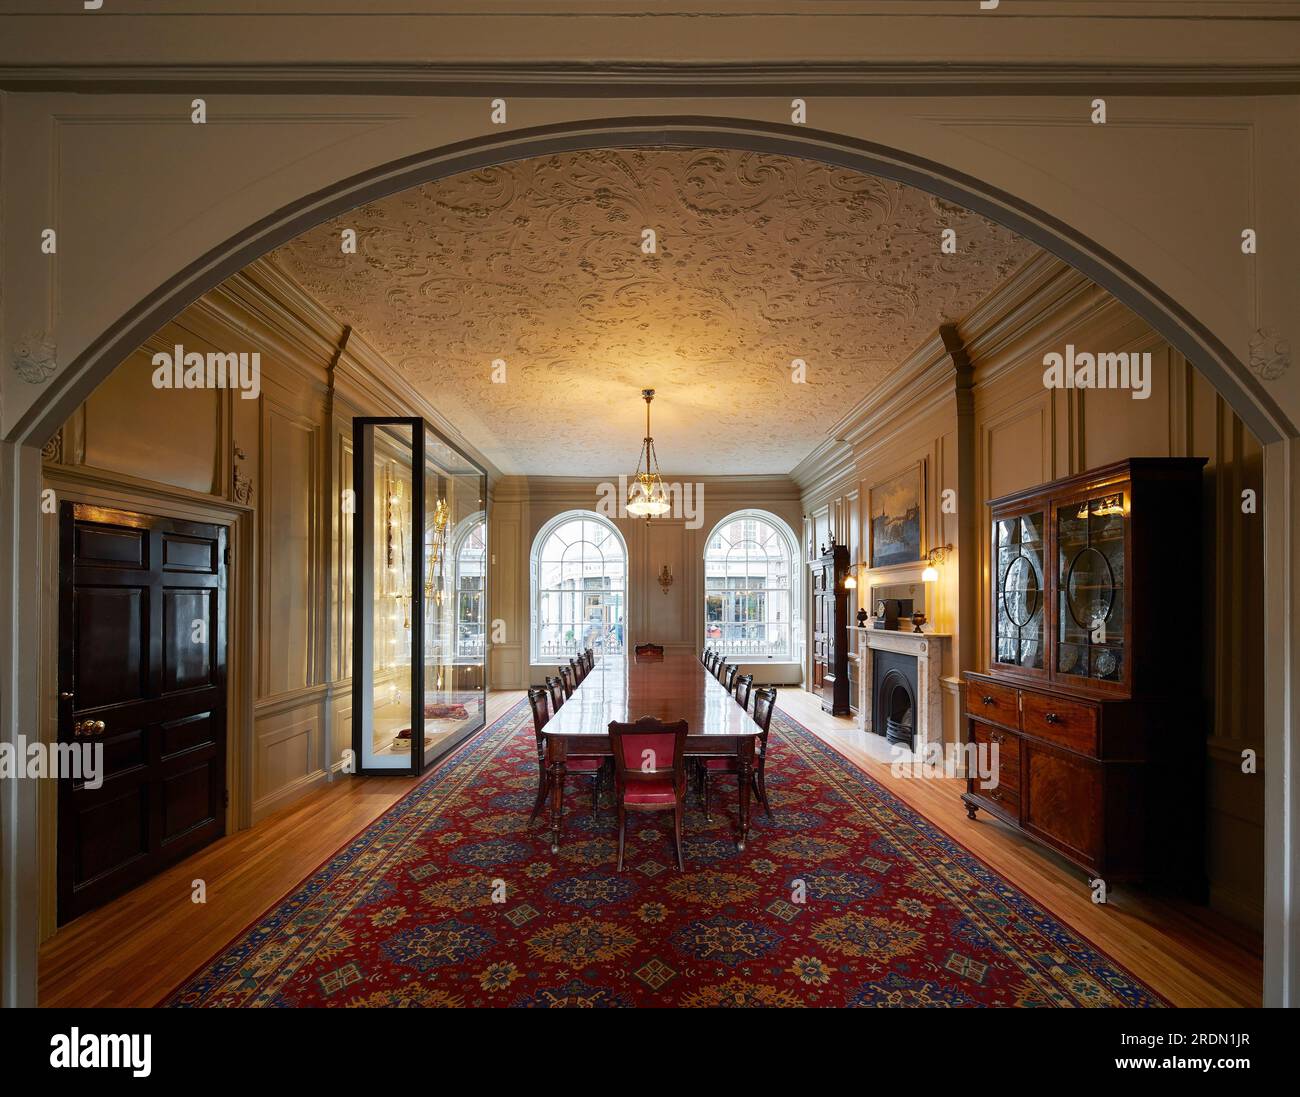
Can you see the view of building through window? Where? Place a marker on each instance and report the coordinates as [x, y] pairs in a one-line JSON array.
[[579, 586], [470, 561], [748, 600]]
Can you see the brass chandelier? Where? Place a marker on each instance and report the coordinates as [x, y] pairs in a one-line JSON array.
[[646, 497]]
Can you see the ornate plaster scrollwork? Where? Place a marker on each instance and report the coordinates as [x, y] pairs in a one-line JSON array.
[[243, 486], [758, 260], [34, 358], [1270, 354], [53, 449]]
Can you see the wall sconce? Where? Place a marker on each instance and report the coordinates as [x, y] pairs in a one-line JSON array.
[[665, 578], [936, 556], [851, 578]]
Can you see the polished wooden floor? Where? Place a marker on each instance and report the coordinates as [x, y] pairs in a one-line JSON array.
[[137, 948]]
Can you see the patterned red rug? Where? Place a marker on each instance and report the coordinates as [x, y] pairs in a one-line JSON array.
[[452, 899]]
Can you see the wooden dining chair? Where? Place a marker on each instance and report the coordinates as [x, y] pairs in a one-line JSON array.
[[566, 678], [557, 692], [579, 672], [744, 684], [591, 660], [729, 676], [720, 667], [649, 773], [712, 768], [576, 765]]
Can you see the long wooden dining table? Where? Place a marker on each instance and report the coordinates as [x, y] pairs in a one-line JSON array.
[[622, 688]]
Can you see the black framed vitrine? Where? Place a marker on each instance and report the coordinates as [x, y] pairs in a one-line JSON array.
[[419, 595]]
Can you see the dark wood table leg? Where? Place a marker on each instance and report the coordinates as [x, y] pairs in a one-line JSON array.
[[745, 753], [555, 764]]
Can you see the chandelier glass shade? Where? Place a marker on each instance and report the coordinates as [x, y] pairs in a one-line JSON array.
[[647, 498]]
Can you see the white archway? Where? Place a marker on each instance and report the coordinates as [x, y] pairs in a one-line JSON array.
[[99, 354]]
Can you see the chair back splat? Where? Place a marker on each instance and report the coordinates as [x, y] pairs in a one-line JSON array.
[[557, 691], [566, 677], [537, 699], [744, 684]]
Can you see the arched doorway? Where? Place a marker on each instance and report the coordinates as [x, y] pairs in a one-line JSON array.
[[20, 464]]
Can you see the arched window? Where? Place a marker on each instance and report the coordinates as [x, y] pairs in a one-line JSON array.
[[750, 596], [470, 548], [579, 581]]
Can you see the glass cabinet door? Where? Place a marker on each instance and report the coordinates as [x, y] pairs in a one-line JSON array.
[[419, 596], [1090, 540], [385, 733], [1018, 590], [455, 588]]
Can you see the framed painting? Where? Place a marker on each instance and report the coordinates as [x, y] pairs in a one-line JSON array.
[[896, 526]]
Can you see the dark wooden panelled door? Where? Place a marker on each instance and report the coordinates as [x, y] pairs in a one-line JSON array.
[[142, 670]]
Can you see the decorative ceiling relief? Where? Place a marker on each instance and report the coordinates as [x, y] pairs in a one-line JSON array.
[[758, 260]]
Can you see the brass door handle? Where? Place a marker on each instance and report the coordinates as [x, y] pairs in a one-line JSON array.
[[89, 727]]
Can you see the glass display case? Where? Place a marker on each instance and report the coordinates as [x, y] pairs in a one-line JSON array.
[[419, 595]]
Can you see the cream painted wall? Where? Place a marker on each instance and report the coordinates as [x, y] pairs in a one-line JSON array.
[[285, 459], [1025, 434], [523, 506]]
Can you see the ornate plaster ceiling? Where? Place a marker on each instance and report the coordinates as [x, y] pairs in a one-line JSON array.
[[760, 260]]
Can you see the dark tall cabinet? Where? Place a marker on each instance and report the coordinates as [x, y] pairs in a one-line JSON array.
[[1091, 695], [830, 629]]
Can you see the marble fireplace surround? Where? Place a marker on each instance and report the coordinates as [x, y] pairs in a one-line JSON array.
[[928, 647]]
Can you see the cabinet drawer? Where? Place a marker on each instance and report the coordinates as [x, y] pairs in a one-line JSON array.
[[1006, 800], [1008, 747], [990, 702], [1069, 723]]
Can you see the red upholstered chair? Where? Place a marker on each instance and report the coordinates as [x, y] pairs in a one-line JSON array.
[[575, 765], [649, 653], [713, 768], [649, 773], [566, 677]]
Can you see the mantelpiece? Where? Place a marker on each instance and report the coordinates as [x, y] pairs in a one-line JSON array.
[[929, 649]]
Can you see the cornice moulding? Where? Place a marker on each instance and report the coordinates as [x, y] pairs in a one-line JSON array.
[[666, 79]]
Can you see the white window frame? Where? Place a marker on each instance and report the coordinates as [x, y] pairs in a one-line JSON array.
[[459, 541], [794, 588], [535, 593]]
